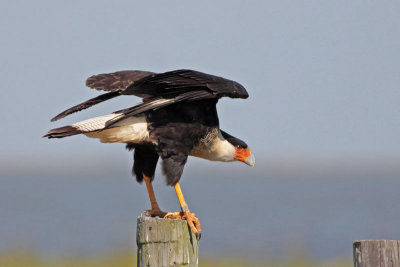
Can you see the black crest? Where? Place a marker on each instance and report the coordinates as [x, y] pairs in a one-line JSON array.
[[233, 140]]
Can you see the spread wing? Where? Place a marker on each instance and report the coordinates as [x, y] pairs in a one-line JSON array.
[[86, 104], [175, 82], [159, 102], [113, 82], [158, 90]]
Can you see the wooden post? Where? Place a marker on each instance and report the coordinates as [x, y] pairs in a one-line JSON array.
[[165, 242], [376, 253]]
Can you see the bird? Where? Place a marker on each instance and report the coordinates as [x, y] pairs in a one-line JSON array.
[[177, 118]]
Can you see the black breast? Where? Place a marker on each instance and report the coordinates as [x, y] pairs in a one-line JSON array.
[[177, 129], [183, 124], [203, 112]]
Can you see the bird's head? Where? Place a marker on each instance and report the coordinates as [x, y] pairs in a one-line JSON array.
[[242, 152]]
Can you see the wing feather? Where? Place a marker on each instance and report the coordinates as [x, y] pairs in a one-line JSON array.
[[159, 102], [157, 90], [86, 104], [115, 81], [185, 80]]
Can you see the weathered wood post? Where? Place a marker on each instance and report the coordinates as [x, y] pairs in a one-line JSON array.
[[376, 253], [165, 242]]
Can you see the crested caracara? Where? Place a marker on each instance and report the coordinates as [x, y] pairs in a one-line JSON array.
[[177, 118]]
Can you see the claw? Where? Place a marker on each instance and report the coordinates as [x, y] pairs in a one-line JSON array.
[[155, 211], [174, 215], [193, 222], [191, 219], [198, 236]]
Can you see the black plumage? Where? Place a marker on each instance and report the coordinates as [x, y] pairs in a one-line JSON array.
[[177, 119], [86, 104], [178, 129], [172, 83], [180, 110], [115, 81], [233, 140], [145, 160]]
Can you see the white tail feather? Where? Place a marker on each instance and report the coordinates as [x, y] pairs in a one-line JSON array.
[[130, 130], [94, 124]]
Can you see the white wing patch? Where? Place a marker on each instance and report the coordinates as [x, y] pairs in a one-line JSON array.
[[130, 130]]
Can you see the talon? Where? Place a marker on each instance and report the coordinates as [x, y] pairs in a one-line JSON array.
[[194, 223], [174, 215], [198, 236], [191, 219]]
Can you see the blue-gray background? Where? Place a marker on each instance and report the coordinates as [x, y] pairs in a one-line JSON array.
[[322, 120]]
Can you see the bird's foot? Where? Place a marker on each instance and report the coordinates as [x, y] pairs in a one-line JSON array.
[[155, 213], [191, 219]]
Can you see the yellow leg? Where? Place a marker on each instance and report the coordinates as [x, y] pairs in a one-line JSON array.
[[155, 209], [191, 219], [193, 222], [181, 199]]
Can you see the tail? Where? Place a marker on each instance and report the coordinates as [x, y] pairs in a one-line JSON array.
[[87, 126], [62, 132]]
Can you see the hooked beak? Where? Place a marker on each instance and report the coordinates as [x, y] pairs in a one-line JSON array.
[[245, 155], [251, 160]]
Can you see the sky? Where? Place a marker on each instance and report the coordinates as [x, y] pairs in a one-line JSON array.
[[323, 76], [324, 85]]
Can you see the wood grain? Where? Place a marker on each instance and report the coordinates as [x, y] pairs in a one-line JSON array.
[[376, 253], [165, 242]]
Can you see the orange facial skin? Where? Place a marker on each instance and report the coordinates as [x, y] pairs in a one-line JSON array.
[[242, 154]]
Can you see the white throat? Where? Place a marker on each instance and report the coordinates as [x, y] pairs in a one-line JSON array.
[[214, 147]]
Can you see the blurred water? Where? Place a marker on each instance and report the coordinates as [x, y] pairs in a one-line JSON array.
[[257, 216]]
